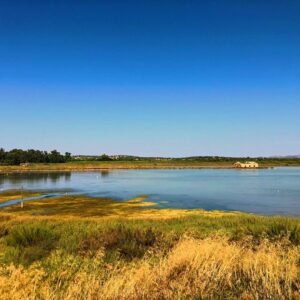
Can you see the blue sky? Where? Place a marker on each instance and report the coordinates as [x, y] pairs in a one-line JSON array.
[[172, 78]]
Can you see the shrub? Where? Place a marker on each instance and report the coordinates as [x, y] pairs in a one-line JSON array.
[[3, 230], [28, 243], [127, 242], [288, 229]]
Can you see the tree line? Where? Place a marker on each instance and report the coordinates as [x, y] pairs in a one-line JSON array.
[[19, 156]]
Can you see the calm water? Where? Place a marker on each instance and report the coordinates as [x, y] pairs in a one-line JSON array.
[[270, 191]]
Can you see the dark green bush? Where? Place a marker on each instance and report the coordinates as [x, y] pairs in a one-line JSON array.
[[129, 243], [288, 229], [29, 242], [273, 228], [3, 230]]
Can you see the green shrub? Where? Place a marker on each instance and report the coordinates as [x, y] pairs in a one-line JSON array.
[[273, 228], [287, 229], [128, 242], [29, 242], [3, 230]]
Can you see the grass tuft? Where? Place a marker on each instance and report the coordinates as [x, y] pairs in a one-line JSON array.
[[28, 243], [128, 243]]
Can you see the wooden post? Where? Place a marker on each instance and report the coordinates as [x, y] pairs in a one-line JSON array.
[[22, 205]]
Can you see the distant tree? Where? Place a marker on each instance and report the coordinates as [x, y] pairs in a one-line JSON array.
[[2, 155], [56, 157], [18, 156], [15, 157], [104, 157], [68, 156]]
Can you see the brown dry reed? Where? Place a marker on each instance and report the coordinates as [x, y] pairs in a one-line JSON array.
[[212, 268]]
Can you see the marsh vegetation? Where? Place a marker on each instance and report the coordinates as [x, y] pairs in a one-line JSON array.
[[87, 250]]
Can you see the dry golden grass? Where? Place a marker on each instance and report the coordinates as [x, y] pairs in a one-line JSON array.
[[212, 268], [209, 269]]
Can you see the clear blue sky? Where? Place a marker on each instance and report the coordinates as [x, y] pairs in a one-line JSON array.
[[171, 78]]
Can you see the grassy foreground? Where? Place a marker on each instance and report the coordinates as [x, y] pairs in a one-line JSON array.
[[75, 247]]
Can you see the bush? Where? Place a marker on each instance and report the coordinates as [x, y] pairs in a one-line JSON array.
[[288, 229], [272, 228], [128, 243], [3, 230], [28, 243]]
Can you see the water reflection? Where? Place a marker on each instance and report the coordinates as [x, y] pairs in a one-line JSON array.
[[34, 177], [104, 173]]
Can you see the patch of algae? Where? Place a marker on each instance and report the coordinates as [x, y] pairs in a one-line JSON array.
[[17, 195], [87, 207]]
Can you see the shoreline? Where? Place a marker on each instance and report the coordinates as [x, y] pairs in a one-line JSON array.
[[115, 169], [22, 170], [87, 167]]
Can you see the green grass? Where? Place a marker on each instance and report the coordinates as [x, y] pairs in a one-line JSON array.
[[34, 239], [56, 257], [28, 243]]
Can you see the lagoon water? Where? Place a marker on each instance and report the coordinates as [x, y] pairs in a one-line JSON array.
[[264, 191]]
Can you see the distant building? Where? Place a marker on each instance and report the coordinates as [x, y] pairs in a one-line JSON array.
[[247, 164], [115, 156], [24, 164]]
